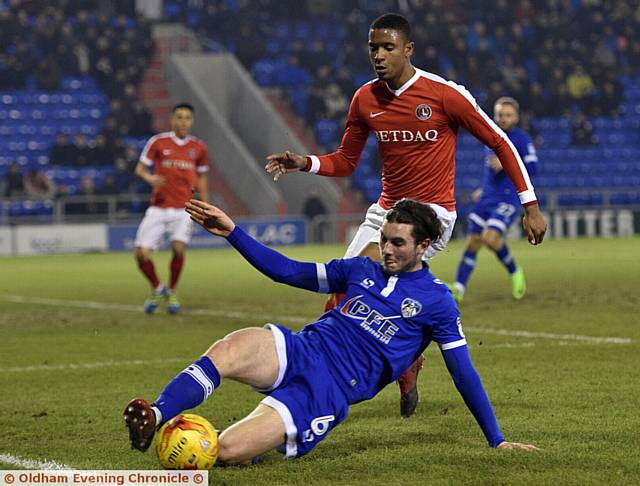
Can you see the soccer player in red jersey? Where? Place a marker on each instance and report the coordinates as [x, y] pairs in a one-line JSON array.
[[179, 163], [415, 117]]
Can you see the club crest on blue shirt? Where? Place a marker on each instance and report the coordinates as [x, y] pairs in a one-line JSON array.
[[423, 112], [410, 307]]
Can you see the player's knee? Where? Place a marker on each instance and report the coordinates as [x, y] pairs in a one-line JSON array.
[[141, 255], [474, 243], [492, 239], [222, 353], [233, 451]]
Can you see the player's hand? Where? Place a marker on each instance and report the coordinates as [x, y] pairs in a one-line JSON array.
[[284, 162], [211, 218], [517, 445], [155, 180], [534, 224], [476, 195]]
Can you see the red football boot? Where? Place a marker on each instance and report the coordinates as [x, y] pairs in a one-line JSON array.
[[408, 382], [141, 422], [332, 301]]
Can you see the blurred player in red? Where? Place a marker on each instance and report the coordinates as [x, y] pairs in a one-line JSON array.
[[415, 117], [179, 163]]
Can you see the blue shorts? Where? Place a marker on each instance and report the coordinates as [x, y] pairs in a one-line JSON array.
[[491, 213], [305, 394]]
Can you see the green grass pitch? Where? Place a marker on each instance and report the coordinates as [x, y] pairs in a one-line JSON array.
[[561, 367]]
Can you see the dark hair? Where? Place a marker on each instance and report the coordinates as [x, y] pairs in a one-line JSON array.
[[393, 21], [424, 219], [187, 106]]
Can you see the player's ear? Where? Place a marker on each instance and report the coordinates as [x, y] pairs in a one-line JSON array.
[[408, 49], [424, 245]]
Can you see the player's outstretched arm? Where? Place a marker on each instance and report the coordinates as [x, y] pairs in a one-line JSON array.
[[469, 385], [284, 162], [273, 264], [211, 218], [534, 224]]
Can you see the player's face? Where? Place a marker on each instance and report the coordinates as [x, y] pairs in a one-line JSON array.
[[390, 54], [506, 116], [181, 122], [398, 249]]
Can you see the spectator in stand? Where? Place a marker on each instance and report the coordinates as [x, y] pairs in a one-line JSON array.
[[140, 120], [62, 152], [14, 181], [611, 97], [335, 102], [80, 152], [581, 87], [582, 130], [108, 187], [87, 188], [110, 130], [48, 75], [37, 184], [314, 207], [101, 153], [317, 91], [122, 176]]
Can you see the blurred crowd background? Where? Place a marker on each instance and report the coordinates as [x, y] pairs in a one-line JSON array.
[[73, 117]]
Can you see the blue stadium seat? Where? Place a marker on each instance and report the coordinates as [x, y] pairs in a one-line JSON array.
[[326, 132], [299, 97], [626, 198]]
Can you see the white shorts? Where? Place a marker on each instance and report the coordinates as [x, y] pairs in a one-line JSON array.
[[158, 221], [369, 230]]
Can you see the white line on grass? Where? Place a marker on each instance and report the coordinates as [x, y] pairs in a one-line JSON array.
[[88, 304], [88, 366], [32, 463], [503, 345], [550, 335]]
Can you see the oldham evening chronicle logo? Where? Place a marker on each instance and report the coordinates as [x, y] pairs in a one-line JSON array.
[[423, 112]]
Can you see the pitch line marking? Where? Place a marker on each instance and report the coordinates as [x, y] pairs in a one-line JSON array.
[[32, 463], [89, 366], [550, 335], [88, 304], [138, 362]]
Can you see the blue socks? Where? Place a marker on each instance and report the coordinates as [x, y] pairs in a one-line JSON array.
[[465, 268], [505, 257], [187, 390]]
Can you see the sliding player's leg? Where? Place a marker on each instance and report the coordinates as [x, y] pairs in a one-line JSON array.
[[248, 356], [259, 432]]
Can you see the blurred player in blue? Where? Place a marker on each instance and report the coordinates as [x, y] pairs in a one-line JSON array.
[[497, 205], [391, 312]]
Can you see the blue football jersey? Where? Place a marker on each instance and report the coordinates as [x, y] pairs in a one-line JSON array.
[[386, 322], [497, 185]]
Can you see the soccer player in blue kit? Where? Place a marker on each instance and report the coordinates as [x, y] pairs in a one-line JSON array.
[[497, 205], [392, 311]]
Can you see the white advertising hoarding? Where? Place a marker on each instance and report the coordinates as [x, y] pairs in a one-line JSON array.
[[60, 238], [5, 240]]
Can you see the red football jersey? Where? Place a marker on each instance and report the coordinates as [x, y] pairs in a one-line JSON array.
[[178, 160], [416, 127]]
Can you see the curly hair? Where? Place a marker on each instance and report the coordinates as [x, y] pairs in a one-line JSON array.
[[422, 217]]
